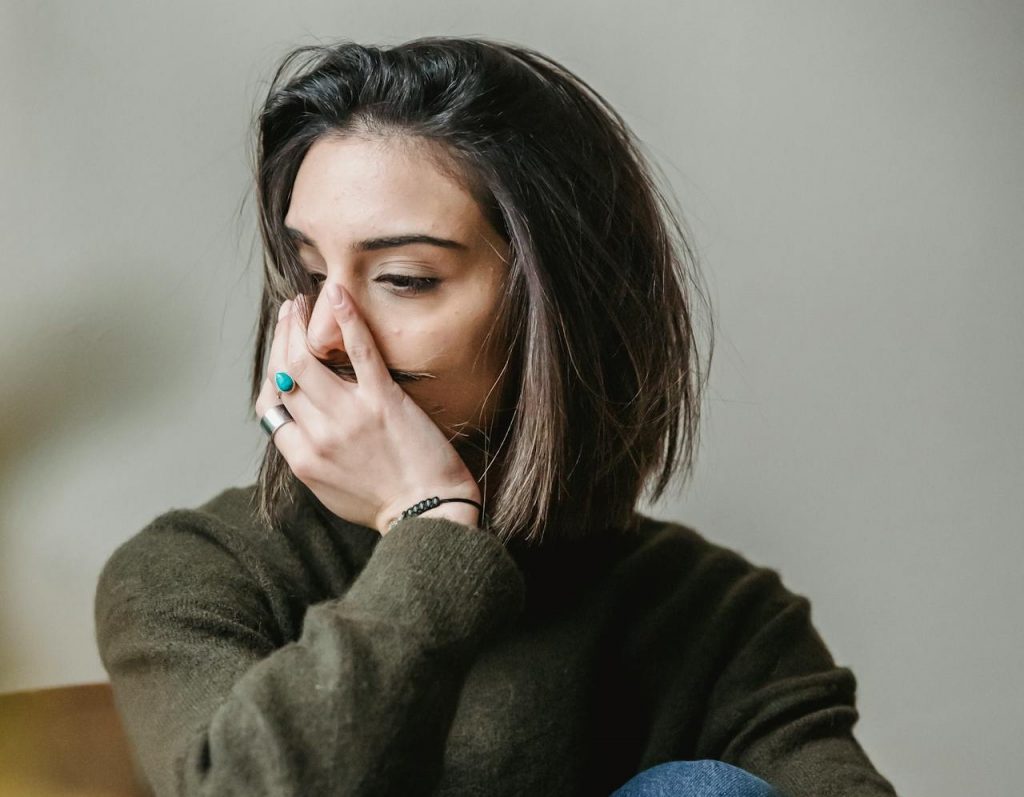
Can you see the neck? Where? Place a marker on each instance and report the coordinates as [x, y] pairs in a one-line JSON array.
[[480, 454], [477, 460]]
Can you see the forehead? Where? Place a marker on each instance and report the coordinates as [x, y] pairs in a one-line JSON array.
[[355, 184]]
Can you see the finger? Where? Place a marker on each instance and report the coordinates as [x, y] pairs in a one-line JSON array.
[[278, 358], [298, 401], [319, 385], [371, 372], [297, 347], [277, 351], [289, 439], [268, 392]]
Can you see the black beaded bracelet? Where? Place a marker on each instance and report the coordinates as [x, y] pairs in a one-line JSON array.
[[429, 503]]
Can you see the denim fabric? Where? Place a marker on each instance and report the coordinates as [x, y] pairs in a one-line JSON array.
[[705, 778]]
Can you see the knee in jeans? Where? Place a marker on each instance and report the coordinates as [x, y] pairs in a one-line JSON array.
[[701, 778]]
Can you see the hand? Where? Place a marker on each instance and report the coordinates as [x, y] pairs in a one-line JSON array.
[[365, 449]]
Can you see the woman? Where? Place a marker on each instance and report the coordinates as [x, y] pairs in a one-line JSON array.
[[475, 349]]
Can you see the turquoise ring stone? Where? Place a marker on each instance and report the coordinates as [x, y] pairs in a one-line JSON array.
[[284, 382]]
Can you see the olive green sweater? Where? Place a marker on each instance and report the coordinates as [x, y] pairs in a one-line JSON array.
[[324, 659]]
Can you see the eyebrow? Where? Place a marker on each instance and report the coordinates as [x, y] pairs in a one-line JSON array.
[[386, 242]]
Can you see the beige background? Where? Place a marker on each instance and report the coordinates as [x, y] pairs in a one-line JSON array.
[[853, 173]]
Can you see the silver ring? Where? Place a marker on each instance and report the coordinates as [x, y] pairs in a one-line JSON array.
[[274, 418]]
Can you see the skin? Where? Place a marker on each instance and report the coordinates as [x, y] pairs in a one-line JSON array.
[[351, 189]]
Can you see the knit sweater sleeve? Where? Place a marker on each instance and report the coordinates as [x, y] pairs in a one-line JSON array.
[[216, 702], [754, 677], [784, 709]]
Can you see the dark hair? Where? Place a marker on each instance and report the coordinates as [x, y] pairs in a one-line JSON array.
[[596, 319]]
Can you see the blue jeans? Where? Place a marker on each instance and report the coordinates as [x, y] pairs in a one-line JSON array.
[[705, 778]]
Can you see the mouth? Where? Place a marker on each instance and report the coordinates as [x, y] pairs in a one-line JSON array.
[[347, 372]]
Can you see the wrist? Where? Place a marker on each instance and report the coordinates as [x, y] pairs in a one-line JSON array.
[[459, 511]]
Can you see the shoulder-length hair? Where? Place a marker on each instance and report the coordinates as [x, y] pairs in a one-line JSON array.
[[596, 317]]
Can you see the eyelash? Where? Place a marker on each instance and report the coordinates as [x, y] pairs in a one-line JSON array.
[[410, 286]]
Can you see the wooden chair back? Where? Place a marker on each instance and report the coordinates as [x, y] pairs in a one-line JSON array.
[[66, 740]]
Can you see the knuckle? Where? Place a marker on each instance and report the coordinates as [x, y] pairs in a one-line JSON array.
[[377, 414], [321, 441], [318, 446], [264, 399], [390, 413], [302, 466], [394, 396], [359, 351]]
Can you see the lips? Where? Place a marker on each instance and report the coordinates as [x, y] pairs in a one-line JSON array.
[[347, 372]]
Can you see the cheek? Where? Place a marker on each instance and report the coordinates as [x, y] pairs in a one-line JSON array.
[[448, 346], [416, 348], [394, 342]]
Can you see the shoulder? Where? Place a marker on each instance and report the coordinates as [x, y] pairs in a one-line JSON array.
[[220, 554], [673, 561], [176, 551], [223, 526], [231, 505], [738, 617], [678, 547]]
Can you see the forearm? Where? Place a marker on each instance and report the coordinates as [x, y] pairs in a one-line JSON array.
[[359, 704]]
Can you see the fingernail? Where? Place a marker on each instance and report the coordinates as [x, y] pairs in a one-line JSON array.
[[335, 295], [283, 311]]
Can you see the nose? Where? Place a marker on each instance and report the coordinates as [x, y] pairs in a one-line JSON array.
[[322, 333]]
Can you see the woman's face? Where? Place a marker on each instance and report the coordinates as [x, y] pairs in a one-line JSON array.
[[429, 305]]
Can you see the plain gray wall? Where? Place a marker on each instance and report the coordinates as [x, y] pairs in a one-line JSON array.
[[854, 177]]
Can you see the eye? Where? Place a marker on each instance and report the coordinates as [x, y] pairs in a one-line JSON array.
[[407, 285], [410, 286]]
